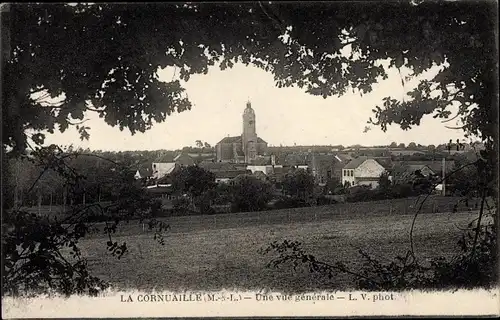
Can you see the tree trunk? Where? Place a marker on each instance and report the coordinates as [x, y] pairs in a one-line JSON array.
[[39, 202], [50, 203], [16, 188], [64, 198]]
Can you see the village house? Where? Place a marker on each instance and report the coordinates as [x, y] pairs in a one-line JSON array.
[[267, 165], [161, 169], [363, 171], [229, 176], [434, 166], [225, 172], [325, 167], [142, 173], [404, 172]]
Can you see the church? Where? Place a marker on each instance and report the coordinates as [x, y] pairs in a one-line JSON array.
[[245, 148]]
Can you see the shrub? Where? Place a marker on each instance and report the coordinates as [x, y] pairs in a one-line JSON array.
[[289, 203], [323, 200], [181, 205], [250, 194], [299, 184]]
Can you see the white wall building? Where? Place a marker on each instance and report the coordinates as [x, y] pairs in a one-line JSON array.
[[267, 169], [161, 169], [362, 171]]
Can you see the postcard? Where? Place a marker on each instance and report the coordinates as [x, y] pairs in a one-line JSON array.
[[253, 159]]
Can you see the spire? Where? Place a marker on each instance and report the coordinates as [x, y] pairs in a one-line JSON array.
[[248, 109]]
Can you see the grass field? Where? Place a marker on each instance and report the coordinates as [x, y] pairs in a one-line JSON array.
[[221, 251]]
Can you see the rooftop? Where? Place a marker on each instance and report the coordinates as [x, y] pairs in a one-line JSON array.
[[238, 139]]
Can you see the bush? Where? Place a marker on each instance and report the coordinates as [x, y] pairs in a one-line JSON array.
[[363, 193], [289, 203], [472, 268], [250, 194], [401, 191], [181, 205], [300, 183], [323, 200], [223, 194], [395, 191]]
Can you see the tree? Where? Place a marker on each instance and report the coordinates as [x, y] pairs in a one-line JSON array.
[[431, 148], [35, 248], [332, 184], [124, 52], [199, 144], [412, 145], [383, 182], [402, 146], [194, 181], [299, 184], [393, 145], [250, 193]]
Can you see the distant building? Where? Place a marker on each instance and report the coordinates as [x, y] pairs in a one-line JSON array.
[[406, 172], [322, 166], [229, 176], [245, 148], [266, 165], [325, 167], [435, 166], [225, 172], [142, 173], [404, 152], [184, 160], [362, 171], [161, 169]]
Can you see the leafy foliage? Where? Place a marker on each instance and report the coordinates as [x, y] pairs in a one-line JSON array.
[[383, 182], [472, 268], [41, 254], [124, 49], [193, 180], [250, 193], [197, 183], [34, 258], [299, 183]]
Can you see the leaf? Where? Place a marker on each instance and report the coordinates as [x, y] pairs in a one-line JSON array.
[[361, 31], [399, 61]]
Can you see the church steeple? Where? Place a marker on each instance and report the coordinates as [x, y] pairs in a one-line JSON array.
[[249, 136], [248, 109]]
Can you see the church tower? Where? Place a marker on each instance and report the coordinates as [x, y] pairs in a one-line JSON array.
[[249, 136]]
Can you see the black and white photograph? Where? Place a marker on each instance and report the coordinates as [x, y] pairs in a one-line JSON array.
[[259, 158]]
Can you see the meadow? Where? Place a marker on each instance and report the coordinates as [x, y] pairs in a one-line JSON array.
[[221, 251]]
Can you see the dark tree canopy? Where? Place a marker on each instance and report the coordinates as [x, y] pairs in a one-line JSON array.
[[193, 180], [105, 57], [299, 183]]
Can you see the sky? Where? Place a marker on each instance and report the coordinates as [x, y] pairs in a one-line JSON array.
[[284, 116]]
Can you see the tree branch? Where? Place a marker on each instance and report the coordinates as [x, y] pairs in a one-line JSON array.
[[277, 22], [448, 120], [478, 225], [433, 187]]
